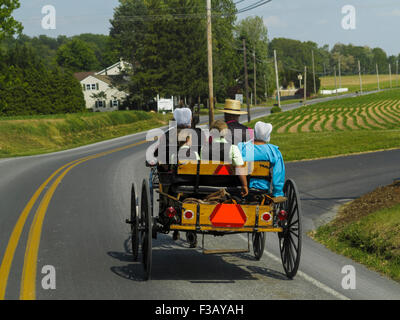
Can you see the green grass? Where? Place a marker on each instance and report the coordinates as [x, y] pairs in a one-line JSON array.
[[374, 240], [345, 126], [28, 135]]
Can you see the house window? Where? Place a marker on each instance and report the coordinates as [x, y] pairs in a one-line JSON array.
[[115, 103], [88, 87], [93, 87], [100, 104]]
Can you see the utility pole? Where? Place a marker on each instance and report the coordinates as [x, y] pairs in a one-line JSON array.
[[255, 78], [277, 80], [340, 74], [210, 63], [390, 75], [377, 76], [305, 85], [336, 89], [359, 74], [313, 67], [246, 77]]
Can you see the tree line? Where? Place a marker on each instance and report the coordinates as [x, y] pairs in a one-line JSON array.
[[165, 42]]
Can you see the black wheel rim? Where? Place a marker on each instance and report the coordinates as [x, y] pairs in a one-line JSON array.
[[134, 224], [146, 230], [258, 244], [290, 238]]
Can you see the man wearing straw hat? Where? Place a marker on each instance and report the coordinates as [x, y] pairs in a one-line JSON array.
[[232, 111]]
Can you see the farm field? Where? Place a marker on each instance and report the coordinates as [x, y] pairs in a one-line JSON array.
[[369, 82], [338, 127]]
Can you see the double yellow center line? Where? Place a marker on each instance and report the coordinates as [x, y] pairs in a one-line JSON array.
[[28, 280]]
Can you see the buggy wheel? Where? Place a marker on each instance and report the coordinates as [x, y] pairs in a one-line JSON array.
[[134, 223], [290, 237], [258, 244], [146, 229]]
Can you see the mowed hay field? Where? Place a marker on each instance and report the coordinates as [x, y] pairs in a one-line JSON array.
[[370, 82], [338, 127]]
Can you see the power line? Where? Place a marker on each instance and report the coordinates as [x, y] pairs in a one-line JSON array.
[[254, 6]]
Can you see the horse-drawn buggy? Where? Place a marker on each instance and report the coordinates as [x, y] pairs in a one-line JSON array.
[[204, 198]]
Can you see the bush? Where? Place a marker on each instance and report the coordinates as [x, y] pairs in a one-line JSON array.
[[276, 109]]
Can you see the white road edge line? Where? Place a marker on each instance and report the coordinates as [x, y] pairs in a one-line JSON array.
[[306, 277]]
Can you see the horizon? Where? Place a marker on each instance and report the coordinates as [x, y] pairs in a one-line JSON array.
[[279, 16]]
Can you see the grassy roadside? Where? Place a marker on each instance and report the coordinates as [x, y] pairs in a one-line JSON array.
[[367, 230], [337, 127], [23, 136]]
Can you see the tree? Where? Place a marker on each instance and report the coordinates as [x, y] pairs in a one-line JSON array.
[[76, 56], [8, 25], [28, 87], [166, 43], [253, 30]]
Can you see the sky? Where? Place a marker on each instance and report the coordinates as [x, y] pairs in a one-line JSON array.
[[376, 21]]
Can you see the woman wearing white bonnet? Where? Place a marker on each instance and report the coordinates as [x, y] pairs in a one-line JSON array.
[[183, 118], [261, 150]]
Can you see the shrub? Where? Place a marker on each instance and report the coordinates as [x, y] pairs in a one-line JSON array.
[[276, 109]]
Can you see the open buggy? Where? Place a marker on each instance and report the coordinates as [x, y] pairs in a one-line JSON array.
[[204, 198]]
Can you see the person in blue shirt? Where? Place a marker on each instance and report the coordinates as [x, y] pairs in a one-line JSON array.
[[261, 150]]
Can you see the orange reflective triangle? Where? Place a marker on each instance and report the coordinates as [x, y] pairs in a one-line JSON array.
[[223, 170], [228, 215]]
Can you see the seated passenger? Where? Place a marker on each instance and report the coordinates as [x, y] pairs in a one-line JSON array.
[[222, 151], [181, 139], [186, 151], [262, 150]]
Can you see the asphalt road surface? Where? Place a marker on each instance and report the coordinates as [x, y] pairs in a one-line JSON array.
[[74, 221]]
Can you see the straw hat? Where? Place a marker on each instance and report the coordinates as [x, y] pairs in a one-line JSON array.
[[233, 107]]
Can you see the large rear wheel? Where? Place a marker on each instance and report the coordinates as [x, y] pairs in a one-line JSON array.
[[290, 237]]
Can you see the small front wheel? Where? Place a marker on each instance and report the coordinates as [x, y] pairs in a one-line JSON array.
[[134, 224], [258, 244]]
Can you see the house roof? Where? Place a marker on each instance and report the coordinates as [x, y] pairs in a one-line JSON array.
[[105, 79], [83, 75], [120, 63]]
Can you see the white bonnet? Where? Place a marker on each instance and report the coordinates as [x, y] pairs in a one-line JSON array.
[[183, 117], [262, 131]]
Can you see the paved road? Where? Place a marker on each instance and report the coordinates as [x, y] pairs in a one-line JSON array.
[[83, 235]]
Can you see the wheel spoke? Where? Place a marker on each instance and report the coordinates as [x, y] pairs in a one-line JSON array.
[[292, 224], [292, 213], [295, 234], [293, 243]]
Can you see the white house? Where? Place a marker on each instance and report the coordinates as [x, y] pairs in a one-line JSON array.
[[115, 69], [100, 95]]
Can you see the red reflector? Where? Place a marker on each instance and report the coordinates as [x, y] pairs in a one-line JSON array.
[[188, 215], [223, 170], [282, 215], [266, 217], [170, 212], [228, 215]]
